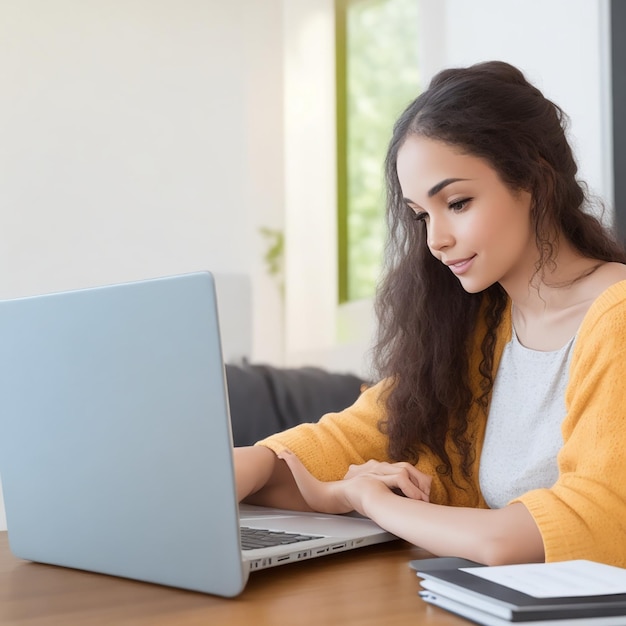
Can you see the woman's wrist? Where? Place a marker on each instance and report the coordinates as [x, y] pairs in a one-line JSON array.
[[371, 498]]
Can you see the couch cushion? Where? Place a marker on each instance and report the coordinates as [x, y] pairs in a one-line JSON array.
[[266, 399]]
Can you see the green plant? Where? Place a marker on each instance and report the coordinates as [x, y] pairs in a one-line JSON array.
[[274, 256]]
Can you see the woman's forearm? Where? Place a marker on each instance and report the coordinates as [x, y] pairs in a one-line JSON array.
[[253, 468], [490, 536], [265, 480]]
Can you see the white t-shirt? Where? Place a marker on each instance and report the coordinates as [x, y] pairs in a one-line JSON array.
[[523, 433]]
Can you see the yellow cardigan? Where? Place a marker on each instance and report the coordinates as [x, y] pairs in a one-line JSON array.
[[583, 515]]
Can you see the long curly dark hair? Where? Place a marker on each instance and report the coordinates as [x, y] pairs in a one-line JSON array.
[[426, 320]]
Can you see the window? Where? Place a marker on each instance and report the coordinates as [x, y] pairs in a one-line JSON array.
[[377, 76]]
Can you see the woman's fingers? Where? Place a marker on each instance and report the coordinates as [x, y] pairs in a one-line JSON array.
[[357, 470], [398, 476], [414, 481]]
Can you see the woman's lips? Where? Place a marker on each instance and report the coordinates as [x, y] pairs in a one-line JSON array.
[[460, 266]]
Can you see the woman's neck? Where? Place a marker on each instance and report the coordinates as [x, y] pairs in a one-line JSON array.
[[554, 286], [549, 305]]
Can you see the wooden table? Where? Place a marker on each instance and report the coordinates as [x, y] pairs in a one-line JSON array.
[[368, 586]]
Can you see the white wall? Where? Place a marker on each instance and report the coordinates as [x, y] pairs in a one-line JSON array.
[[562, 46], [310, 180], [140, 138]]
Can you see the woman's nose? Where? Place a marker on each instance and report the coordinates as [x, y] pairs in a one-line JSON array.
[[439, 234]]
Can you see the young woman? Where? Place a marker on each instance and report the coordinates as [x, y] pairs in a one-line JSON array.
[[497, 431]]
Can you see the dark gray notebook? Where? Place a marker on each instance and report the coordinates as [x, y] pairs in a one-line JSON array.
[[516, 606]]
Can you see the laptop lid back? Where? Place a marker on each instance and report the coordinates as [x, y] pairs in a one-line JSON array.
[[115, 447]]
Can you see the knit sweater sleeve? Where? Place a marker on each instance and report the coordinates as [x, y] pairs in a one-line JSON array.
[[327, 448], [583, 515]]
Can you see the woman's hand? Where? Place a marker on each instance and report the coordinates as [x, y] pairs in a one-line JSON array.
[[349, 494], [402, 478]]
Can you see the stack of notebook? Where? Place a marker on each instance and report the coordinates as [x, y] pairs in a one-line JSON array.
[[570, 592]]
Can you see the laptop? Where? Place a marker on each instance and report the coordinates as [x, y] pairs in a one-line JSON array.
[[116, 446]]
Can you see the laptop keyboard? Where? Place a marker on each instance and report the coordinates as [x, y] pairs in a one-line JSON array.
[[253, 538]]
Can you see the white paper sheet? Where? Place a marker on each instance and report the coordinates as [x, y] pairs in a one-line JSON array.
[[566, 579]]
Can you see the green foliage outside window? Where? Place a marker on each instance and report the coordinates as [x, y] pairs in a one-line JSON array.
[[377, 76]]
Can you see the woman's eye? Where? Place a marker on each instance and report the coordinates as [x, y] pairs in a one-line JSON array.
[[459, 205]]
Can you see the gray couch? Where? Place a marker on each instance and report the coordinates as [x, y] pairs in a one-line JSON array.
[[266, 399]]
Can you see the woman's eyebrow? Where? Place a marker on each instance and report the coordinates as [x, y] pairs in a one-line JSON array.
[[440, 185]]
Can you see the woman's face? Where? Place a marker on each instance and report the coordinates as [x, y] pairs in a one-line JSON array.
[[475, 224]]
